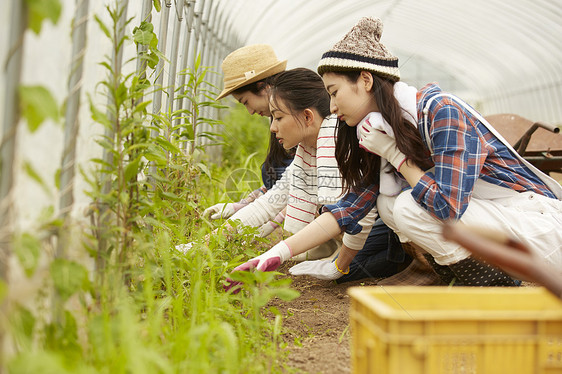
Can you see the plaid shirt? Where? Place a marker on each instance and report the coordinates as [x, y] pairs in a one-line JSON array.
[[464, 150], [351, 208]]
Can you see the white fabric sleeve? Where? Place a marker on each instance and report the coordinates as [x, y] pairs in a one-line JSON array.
[[357, 241], [268, 205]]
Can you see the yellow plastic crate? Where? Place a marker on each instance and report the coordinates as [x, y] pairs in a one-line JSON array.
[[460, 330]]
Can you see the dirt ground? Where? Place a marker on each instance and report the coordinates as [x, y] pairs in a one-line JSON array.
[[316, 324]]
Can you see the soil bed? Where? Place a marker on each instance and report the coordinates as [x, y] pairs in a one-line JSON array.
[[316, 325]]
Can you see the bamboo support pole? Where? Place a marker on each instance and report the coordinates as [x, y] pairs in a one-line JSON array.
[[184, 63], [174, 51], [196, 50], [206, 55], [162, 41], [11, 116], [199, 37], [72, 124], [146, 15], [116, 62]]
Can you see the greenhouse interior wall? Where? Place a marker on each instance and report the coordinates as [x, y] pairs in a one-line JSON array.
[[501, 57]]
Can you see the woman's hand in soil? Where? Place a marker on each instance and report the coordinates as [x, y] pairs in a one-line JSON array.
[[320, 269], [268, 261]]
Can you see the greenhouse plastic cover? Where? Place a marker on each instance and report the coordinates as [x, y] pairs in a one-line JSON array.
[[503, 56]]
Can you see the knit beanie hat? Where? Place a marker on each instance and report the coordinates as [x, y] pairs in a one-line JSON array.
[[361, 49]]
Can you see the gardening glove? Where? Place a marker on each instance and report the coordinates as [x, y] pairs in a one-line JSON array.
[[270, 226], [268, 261], [220, 210], [320, 269], [380, 143], [267, 228]]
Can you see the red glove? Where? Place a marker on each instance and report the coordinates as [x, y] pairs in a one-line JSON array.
[[268, 261]]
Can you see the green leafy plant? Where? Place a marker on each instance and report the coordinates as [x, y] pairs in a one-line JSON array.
[[200, 96], [37, 104], [247, 136], [40, 10], [144, 35], [147, 307]]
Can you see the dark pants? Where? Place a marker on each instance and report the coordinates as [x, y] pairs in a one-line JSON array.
[[381, 256]]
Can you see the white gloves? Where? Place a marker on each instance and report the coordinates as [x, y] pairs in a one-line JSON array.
[[267, 228], [220, 210], [321, 269], [378, 142], [270, 260], [184, 248]]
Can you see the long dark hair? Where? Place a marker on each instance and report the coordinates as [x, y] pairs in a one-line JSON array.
[[361, 168], [277, 156], [300, 89], [358, 167]]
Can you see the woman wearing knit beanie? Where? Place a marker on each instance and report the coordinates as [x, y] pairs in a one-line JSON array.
[[455, 165], [429, 158]]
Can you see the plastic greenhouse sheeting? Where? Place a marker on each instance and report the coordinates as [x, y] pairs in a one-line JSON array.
[[502, 56]]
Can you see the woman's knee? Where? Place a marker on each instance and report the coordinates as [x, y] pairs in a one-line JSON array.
[[408, 215], [385, 208]]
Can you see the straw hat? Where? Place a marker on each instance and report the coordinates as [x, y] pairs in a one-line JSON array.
[[248, 65]]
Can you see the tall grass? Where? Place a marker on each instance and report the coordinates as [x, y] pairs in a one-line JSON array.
[[146, 307]]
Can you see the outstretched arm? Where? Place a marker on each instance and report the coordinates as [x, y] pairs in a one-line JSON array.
[[315, 233], [345, 214], [319, 231]]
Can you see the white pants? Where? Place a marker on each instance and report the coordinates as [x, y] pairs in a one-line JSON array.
[[533, 219]]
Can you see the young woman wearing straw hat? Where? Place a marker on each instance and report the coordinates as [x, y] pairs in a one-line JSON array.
[[246, 73], [449, 164]]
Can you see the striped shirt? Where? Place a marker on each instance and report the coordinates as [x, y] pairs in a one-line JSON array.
[[311, 181], [314, 178]]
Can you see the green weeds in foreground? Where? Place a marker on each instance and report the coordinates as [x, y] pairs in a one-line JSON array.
[[173, 318]]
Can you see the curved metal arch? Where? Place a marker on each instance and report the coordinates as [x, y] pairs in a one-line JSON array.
[[493, 49]]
